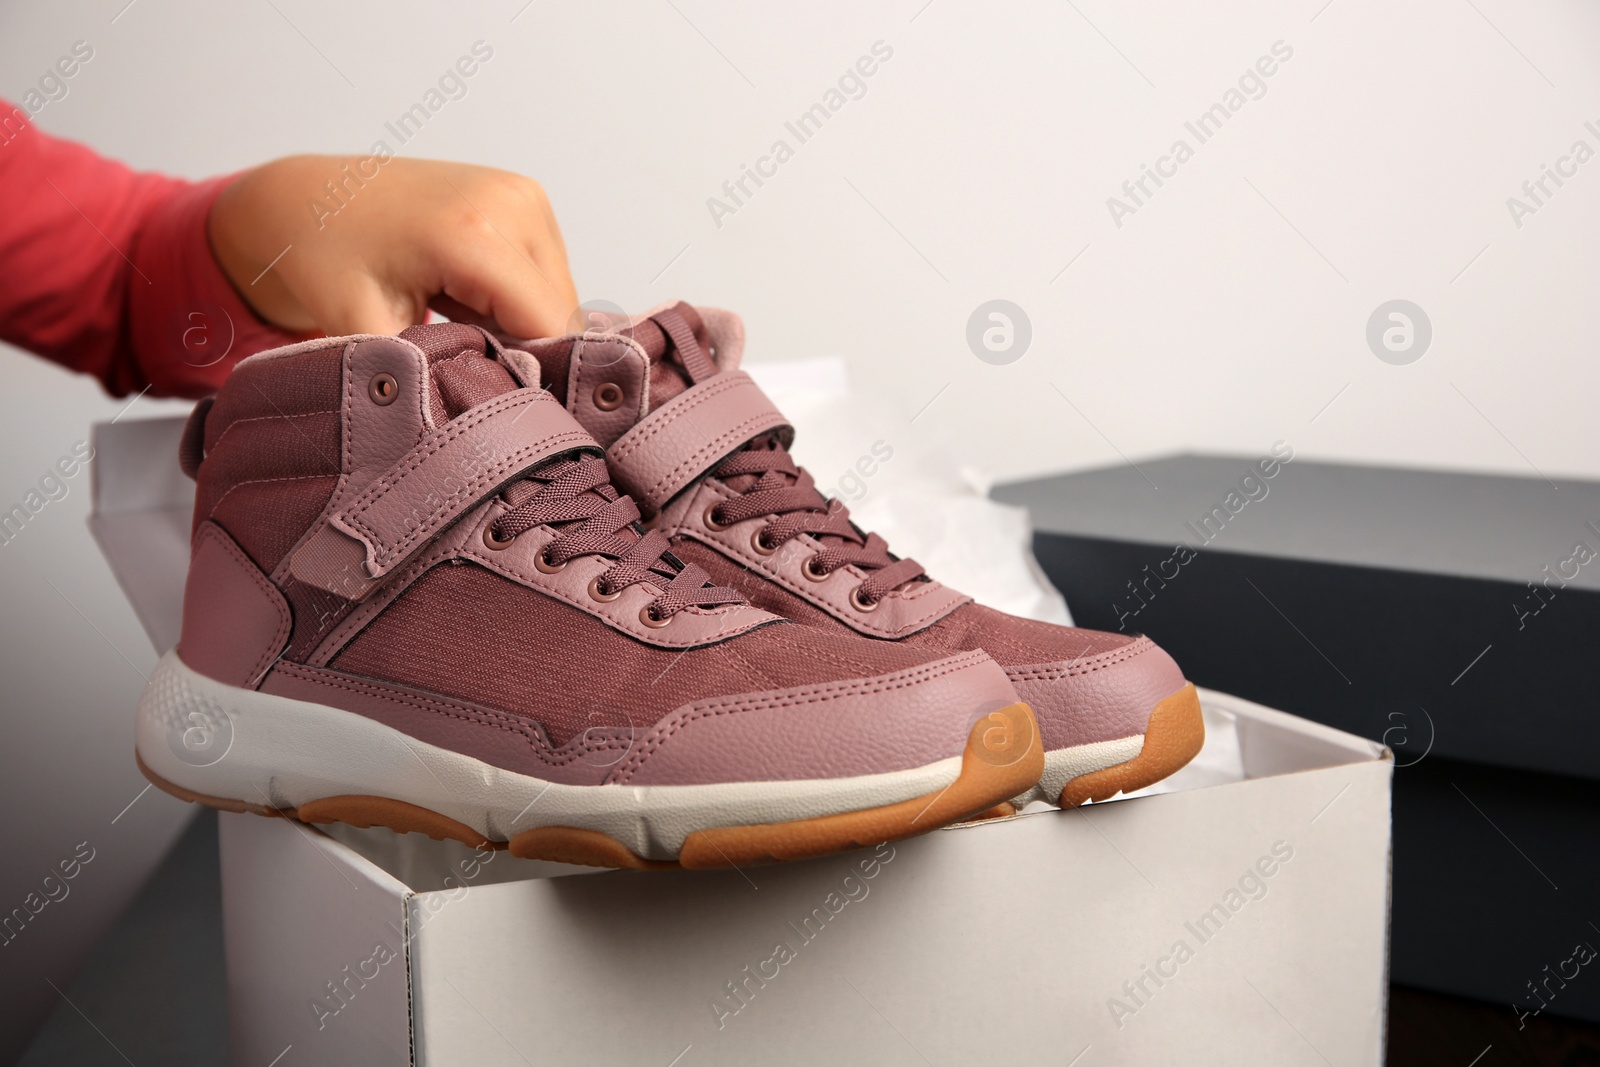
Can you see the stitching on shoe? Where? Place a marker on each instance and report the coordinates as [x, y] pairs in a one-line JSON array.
[[214, 532], [383, 595], [709, 391], [263, 481], [579, 386], [669, 415], [846, 665], [528, 729], [264, 418], [385, 554], [800, 697], [448, 435], [734, 549], [716, 447], [652, 638], [1053, 672], [728, 652]]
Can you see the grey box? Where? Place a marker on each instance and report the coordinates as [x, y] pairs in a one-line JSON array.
[[1453, 616]]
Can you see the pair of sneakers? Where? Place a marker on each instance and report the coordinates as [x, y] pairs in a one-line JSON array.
[[573, 597]]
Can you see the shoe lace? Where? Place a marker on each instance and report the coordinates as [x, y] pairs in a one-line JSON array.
[[577, 497], [769, 482]]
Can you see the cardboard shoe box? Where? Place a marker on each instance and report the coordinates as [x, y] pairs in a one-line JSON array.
[[1239, 909], [1241, 914]]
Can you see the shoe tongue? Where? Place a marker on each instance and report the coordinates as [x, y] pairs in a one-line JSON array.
[[679, 349], [463, 371]]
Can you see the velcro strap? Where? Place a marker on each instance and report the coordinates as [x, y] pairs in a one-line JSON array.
[[449, 473], [688, 435]]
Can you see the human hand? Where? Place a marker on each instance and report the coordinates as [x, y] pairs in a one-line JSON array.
[[402, 235]]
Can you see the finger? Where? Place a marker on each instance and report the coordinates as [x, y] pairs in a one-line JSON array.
[[535, 230], [359, 303], [456, 311], [503, 284], [549, 250]]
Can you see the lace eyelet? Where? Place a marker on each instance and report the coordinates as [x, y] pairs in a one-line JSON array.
[[383, 389], [648, 617], [596, 594], [709, 517], [544, 565], [809, 569], [758, 541], [861, 603], [490, 539], [608, 396]]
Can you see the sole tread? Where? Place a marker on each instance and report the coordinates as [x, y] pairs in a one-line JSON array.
[[1002, 758], [1173, 737]]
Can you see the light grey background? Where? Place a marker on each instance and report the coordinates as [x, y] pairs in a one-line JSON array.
[[1227, 313]]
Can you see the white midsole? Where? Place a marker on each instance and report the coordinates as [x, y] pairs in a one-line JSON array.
[[1065, 764], [240, 744]]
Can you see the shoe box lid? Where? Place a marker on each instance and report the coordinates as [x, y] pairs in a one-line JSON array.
[[1449, 612], [1456, 524]]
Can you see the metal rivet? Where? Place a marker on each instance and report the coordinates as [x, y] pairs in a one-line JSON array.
[[383, 389]]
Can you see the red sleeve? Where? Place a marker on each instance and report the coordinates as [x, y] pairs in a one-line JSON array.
[[109, 271]]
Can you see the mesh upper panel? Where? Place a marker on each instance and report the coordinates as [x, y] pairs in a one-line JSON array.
[[272, 451], [465, 381], [769, 596], [555, 367], [1012, 641], [280, 385], [461, 374], [267, 518], [467, 632], [1009, 640]]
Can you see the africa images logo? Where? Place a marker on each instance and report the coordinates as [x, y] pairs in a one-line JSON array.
[[999, 332]]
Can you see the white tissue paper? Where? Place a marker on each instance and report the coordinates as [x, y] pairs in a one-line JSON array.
[[902, 482]]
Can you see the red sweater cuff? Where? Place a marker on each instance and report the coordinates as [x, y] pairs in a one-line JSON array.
[[188, 325]]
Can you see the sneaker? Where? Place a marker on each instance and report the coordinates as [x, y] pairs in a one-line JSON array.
[[704, 453], [416, 601]]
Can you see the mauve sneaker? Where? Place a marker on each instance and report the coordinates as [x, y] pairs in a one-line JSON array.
[[703, 452], [416, 601]]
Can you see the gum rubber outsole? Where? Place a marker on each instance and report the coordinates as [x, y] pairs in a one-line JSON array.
[[1172, 737], [1003, 757], [356, 810]]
